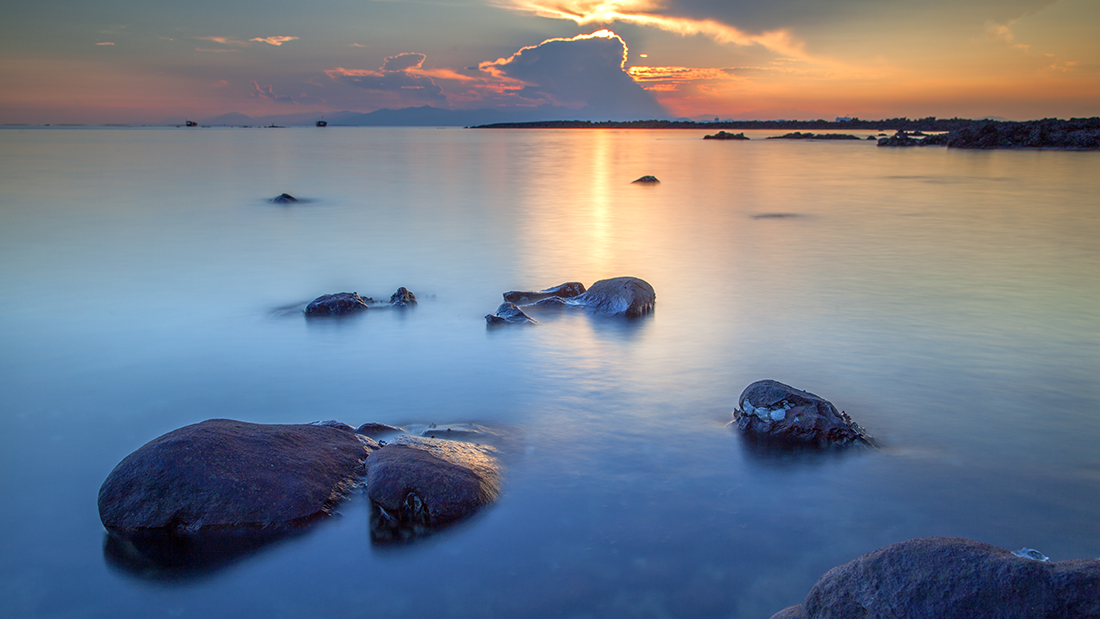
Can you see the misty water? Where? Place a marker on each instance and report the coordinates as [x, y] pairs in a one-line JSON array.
[[948, 300]]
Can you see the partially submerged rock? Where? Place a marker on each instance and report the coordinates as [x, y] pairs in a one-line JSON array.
[[770, 411], [338, 304], [418, 484], [509, 313], [284, 198], [618, 296], [402, 298], [222, 474], [952, 578], [647, 179], [567, 290]]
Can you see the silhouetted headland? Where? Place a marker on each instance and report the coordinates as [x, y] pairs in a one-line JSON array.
[[1072, 134]]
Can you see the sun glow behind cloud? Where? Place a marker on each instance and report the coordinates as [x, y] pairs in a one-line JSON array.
[[648, 13]]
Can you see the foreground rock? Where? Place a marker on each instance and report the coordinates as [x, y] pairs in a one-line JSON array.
[[770, 411], [222, 474], [725, 135], [646, 179], [339, 304], [418, 484], [567, 290], [952, 578]]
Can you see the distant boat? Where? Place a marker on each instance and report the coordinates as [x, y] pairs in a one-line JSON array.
[[191, 123], [322, 123]]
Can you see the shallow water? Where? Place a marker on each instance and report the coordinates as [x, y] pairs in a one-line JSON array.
[[948, 300]]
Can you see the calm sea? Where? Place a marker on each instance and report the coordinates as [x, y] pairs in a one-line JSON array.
[[948, 300]]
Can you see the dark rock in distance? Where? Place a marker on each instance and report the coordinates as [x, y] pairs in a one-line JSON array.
[[284, 198], [402, 298], [416, 485], [772, 412], [798, 135], [647, 179], [509, 313], [567, 290], [725, 135], [952, 578], [222, 475], [337, 304]]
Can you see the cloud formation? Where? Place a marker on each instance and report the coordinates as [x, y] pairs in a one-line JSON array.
[[652, 14], [399, 79], [276, 41], [582, 73], [266, 92]]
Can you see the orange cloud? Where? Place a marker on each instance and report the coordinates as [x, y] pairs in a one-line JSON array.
[[276, 41], [224, 41], [492, 67], [645, 13], [105, 43]]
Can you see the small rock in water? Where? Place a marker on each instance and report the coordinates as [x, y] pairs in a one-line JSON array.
[[509, 313], [337, 304], [785, 415], [402, 298], [647, 179], [567, 290], [284, 198]]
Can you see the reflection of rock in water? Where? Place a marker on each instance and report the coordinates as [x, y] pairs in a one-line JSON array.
[[417, 485], [171, 557]]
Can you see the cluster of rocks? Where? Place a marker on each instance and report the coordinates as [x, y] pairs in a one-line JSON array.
[[1073, 134], [798, 135], [223, 479], [725, 135], [619, 296], [343, 303]]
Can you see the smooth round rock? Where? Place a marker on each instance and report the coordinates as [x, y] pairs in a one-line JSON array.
[[223, 474], [619, 296], [771, 411]]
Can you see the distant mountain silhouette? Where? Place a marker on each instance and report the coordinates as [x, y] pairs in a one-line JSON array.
[[424, 116]]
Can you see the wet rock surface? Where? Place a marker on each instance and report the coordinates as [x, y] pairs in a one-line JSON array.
[[338, 304], [222, 474], [418, 484], [952, 578], [509, 314], [772, 412], [402, 298], [619, 296], [567, 290]]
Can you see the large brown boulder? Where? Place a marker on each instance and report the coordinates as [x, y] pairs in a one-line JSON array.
[[418, 484], [222, 474], [772, 412], [952, 578]]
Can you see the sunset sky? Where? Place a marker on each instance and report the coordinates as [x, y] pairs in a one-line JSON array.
[[128, 61]]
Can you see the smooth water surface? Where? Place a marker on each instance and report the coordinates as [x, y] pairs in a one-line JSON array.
[[948, 300]]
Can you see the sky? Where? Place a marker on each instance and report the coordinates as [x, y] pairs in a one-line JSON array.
[[147, 61]]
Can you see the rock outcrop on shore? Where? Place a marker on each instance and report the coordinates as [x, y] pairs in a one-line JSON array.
[[1073, 134], [223, 474], [952, 578], [778, 414], [798, 135]]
